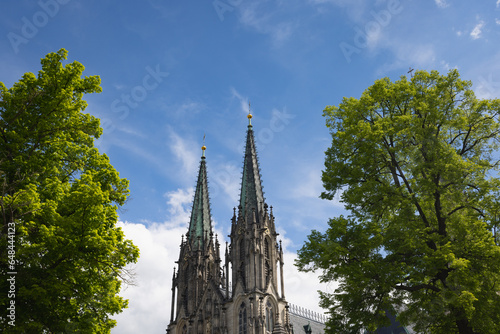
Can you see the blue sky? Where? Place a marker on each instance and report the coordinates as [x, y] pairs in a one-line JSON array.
[[173, 71]]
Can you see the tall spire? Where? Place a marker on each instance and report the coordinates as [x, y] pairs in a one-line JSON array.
[[251, 196], [200, 225]]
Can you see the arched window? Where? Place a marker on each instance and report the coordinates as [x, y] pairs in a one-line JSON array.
[[242, 261], [269, 317], [242, 319], [184, 329], [242, 250], [266, 249], [185, 299], [267, 261]]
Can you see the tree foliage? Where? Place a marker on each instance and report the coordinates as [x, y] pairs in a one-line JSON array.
[[60, 196], [416, 164]]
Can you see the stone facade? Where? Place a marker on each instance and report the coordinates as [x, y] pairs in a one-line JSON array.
[[245, 294]]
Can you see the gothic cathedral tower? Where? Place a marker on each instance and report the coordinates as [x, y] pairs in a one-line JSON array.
[[246, 296], [198, 280]]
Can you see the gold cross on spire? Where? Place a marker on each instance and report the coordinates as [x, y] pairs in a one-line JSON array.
[[249, 115], [203, 148]]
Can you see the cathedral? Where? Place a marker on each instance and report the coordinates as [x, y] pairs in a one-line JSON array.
[[243, 292]]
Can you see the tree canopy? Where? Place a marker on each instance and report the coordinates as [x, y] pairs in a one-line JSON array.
[[416, 164], [61, 248]]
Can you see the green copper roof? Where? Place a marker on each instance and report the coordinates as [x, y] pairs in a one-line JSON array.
[[200, 225], [251, 196]]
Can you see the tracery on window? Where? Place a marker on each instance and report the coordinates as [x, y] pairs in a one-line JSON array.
[[242, 319], [267, 260], [242, 260], [269, 317]]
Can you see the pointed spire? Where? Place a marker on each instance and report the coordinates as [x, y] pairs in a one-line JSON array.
[[200, 225], [251, 196]]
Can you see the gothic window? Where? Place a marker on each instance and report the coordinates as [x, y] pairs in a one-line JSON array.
[[269, 317], [242, 319], [267, 260], [266, 249], [242, 250], [185, 299], [242, 260], [208, 306], [184, 329]]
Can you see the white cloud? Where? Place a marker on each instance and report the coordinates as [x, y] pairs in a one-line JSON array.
[[301, 288], [476, 32], [148, 310], [178, 202], [149, 300], [441, 3], [497, 21], [498, 3]]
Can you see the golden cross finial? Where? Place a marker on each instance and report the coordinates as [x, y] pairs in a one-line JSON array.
[[203, 148], [249, 115]]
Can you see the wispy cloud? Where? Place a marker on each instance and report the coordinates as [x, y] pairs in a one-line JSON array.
[[178, 202], [265, 21], [224, 182], [477, 31], [409, 55], [184, 152], [189, 107], [243, 100], [442, 3]]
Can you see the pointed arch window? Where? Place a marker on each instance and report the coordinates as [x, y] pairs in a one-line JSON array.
[[267, 261], [266, 249], [242, 250], [269, 317], [185, 299], [242, 319], [242, 260]]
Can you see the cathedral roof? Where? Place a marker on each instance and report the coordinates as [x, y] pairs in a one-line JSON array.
[[251, 196], [200, 225]]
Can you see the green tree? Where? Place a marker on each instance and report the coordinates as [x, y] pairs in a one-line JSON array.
[[61, 249], [415, 162]]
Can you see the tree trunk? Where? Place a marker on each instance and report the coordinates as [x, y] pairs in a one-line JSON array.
[[464, 327]]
